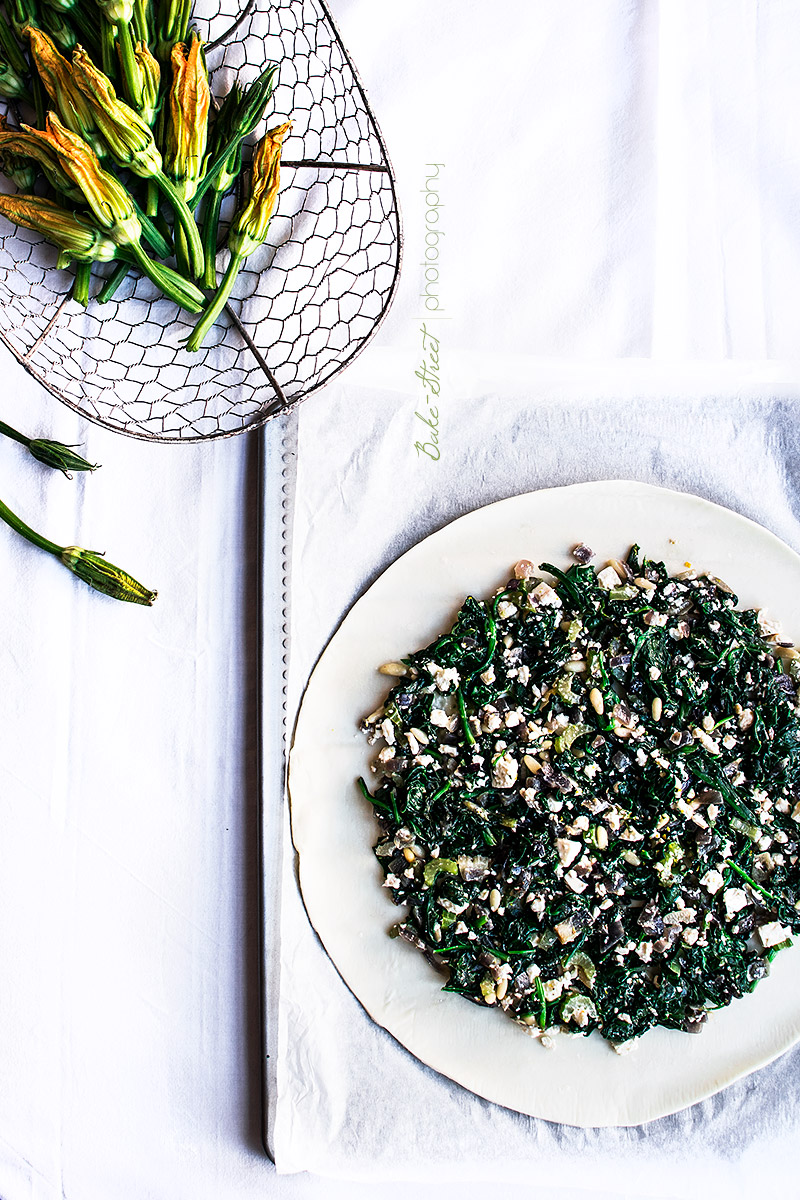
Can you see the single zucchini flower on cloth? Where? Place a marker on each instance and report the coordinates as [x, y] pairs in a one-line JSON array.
[[131, 143], [189, 100], [103, 576], [75, 236], [89, 566], [250, 224], [51, 454], [57, 76]]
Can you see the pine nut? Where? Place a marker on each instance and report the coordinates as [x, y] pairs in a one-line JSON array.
[[656, 708], [596, 701], [396, 669], [532, 764], [601, 837], [409, 855], [494, 899], [501, 989]]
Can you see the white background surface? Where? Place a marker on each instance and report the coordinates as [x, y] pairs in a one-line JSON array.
[[635, 182]]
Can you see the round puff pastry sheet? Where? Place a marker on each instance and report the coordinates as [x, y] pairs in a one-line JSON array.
[[581, 1081]]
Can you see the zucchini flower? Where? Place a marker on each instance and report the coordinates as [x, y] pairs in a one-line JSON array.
[[113, 209], [116, 10], [15, 146], [59, 29], [52, 454], [239, 114], [75, 236], [19, 172], [189, 100], [89, 566], [128, 137], [171, 19], [12, 85], [109, 201], [148, 77], [57, 76], [250, 224], [103, 576], [131, 143]]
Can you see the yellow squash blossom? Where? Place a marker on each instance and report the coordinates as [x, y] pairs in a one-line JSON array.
[[189, 100], [251, 223], [56, 75], [74, 235]]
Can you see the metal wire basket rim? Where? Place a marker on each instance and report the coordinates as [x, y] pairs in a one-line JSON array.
[[276, 408]]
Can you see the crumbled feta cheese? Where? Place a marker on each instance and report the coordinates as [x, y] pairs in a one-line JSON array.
[[608, 578], [505, 609], [443, 677], [712, 881], [655, 618], [505, 771], [567, 850], [773, 934], [545, 595], [574, 882], [735, 900], [708, 743], [552, 989]]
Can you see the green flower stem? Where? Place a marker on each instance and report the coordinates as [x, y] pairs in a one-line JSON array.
[[107, 50], [187, 222], [152, 198], [7, 431], [92, 568], [52, 454], [39, 102], [112, 283], [182, 252], [130, 69], [29, 534], [80, 288], [12, 51], [216, 305], [173, 285], [153, 236], [210, 234]]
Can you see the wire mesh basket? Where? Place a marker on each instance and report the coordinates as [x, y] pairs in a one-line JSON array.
[[304, 304]]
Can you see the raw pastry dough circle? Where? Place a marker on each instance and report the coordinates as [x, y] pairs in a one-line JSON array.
[[582, 1081]]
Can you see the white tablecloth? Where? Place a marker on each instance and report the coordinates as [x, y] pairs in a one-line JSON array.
[[627, 177]]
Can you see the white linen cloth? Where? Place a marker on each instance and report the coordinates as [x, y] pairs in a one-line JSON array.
[[613, 188], [129, 1008]]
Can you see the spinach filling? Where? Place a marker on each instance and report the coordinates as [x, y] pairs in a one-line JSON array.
[[589, 795]]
